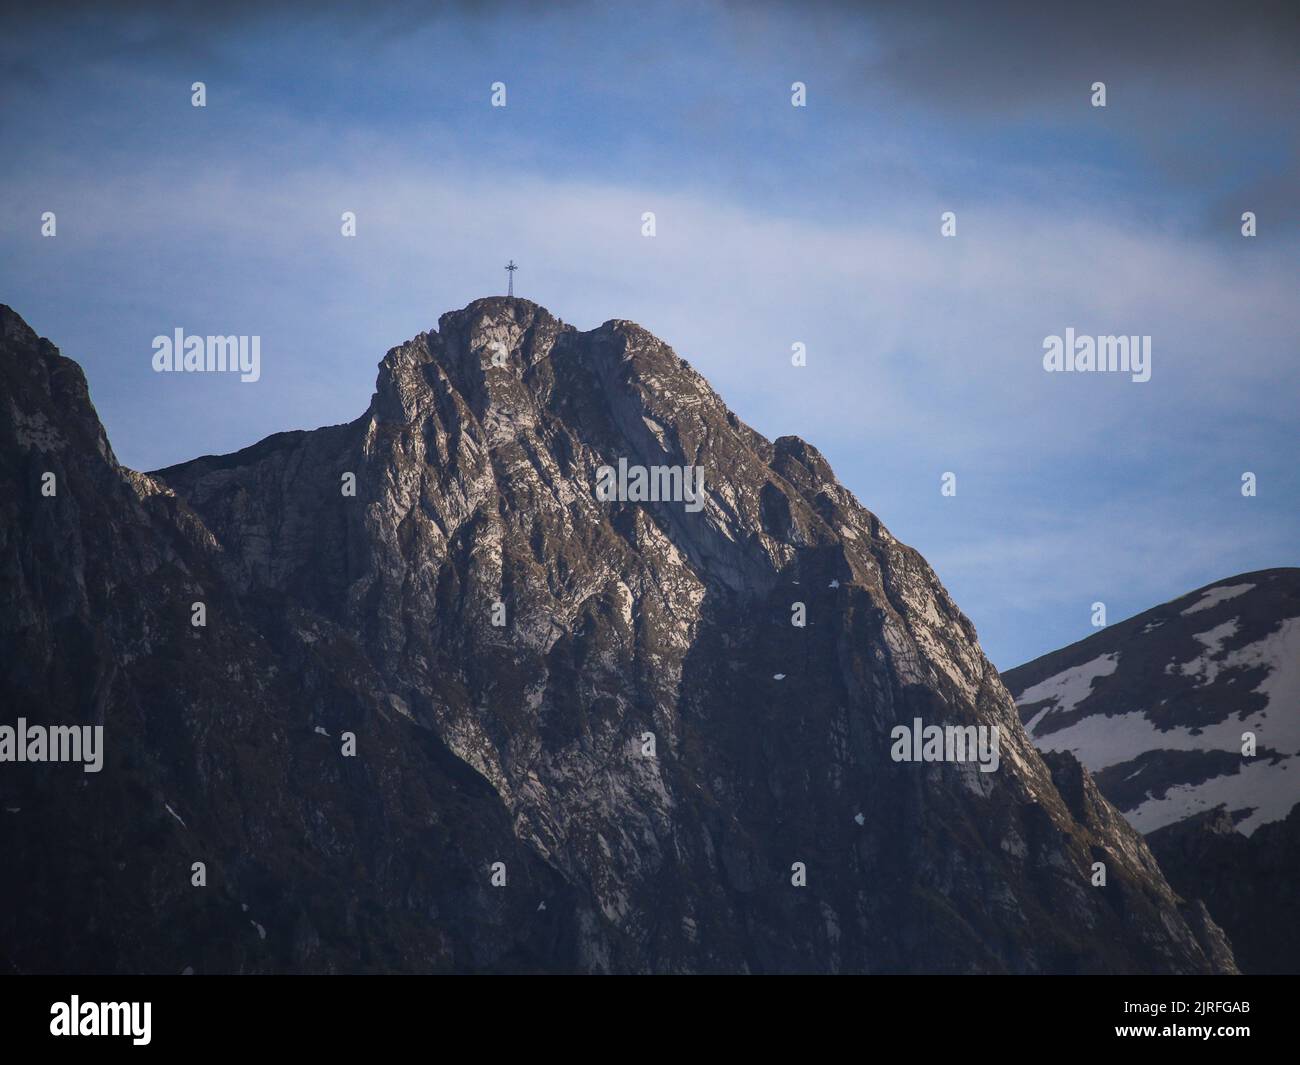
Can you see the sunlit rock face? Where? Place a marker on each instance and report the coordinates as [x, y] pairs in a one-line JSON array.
[[590, 734]]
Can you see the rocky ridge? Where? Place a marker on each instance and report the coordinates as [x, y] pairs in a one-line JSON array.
[[523, 743]]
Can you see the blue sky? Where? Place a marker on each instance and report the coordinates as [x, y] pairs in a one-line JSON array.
[[775, 225]]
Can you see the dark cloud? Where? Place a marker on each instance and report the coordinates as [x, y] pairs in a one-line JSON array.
[[1203, 97], [1002, 56], [1203, 94], [1015, 54], [36, 39]]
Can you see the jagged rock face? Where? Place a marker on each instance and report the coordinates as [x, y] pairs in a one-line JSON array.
[[626, 622], [211, 748], [1158, 708], [1248, 883]]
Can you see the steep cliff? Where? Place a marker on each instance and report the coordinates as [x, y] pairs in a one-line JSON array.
[[608, 697]]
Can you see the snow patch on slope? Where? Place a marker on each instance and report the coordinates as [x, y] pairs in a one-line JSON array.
[[1068, 688], [1267, 787], [1215, 596], [1268, 791], [1205, 667]]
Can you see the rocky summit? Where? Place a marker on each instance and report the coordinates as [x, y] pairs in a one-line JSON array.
[[547, 662]]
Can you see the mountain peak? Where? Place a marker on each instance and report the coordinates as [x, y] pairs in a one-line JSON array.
[[497, 308], [651, 704]]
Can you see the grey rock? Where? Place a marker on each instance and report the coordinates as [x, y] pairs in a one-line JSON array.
[[475, 467]]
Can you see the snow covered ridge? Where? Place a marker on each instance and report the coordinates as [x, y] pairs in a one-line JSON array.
[[1187, 707]]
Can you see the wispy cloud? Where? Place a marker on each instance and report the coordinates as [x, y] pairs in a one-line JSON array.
[[924, 352]]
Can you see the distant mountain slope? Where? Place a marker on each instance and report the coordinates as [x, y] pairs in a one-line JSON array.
[[1157, 707]]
